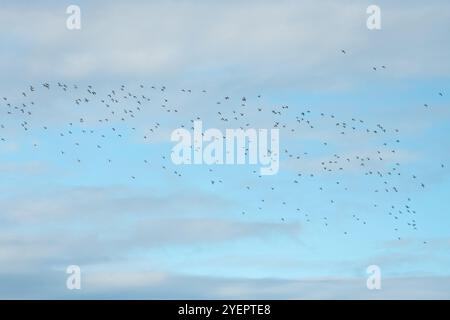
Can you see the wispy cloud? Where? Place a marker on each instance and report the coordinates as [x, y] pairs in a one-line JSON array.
[[257, 39]]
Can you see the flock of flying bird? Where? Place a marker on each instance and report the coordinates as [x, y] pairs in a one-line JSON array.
[[124, 106]]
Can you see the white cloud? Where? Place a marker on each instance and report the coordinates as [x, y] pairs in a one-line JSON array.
[[286, 42]]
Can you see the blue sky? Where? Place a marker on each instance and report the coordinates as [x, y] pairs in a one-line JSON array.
[[164, 236]]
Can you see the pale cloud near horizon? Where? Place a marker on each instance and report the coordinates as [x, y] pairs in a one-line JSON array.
[[157, 285], [107, 223]]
